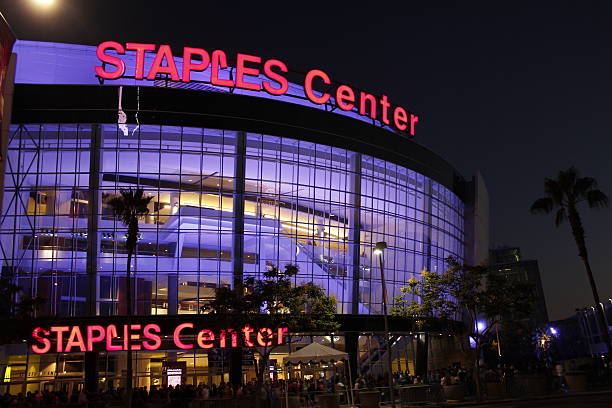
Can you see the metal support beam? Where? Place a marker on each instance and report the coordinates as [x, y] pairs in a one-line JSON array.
[[93, 248], [238, 223], [93, 217], [238, 242], [354, 243]]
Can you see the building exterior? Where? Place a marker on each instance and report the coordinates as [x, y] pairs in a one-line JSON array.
[[569, 339], [508, 261], [239, 178], [581, 335]]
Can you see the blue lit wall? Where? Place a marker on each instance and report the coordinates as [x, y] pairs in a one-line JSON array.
[[319, 207]]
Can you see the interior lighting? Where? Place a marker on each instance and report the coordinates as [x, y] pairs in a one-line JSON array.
[[380, 247]]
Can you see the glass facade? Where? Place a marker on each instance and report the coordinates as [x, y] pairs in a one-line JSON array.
[[225, 204]]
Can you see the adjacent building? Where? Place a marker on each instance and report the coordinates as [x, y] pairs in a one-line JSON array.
[[508, 261]]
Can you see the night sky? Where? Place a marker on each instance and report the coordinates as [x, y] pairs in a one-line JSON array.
[[515, 90]]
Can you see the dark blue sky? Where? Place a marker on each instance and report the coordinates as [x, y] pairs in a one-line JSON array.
[[516, 90]]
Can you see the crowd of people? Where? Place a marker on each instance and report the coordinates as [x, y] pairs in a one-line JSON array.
[[271, 393]]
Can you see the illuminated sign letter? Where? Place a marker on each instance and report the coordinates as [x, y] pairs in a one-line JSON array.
[[413, 121], [400, 118], [147, 334], [117, 62], [75, 339], [242, 70], [111, 332], [135, 336], [267, 333], [204, 336], [188, 66], [91, 338], [219, 60], [164, 52], [44, 341], [247, 335], [384, 102], [281, 334], [363, 97], [282, 81], [140, 53], [223, 340], [59, 339], [345, 94], [177, 336], [308, 86]]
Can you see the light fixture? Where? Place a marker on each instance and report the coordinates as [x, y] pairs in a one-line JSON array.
[[380, 247], [43, 3], [481, 326]]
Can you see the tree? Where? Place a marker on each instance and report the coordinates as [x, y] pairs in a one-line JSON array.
[[483, 299], [276, 302], [16, 306], [564, 195], [128, 207]]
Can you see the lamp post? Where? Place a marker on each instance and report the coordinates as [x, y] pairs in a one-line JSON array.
[[378, 249], [43, 3]]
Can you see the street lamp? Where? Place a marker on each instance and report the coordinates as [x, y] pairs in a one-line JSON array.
[[378, 250], [43, 2]]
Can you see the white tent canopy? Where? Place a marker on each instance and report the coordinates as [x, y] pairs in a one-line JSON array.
[[315, 353]]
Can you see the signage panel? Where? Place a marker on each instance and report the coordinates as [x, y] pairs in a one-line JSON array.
[[252, 73], [67, 339]]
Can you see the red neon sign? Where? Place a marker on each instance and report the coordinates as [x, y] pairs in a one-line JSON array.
[[66, 339], [248, 67]]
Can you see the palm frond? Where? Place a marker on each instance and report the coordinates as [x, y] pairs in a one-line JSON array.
[[583, 185], [129, 205], [542, 206], [553, 189], [597, 199]]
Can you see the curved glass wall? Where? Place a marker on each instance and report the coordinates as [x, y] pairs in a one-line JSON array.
[[225, 205]]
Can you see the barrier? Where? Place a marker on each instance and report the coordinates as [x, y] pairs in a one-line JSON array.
[[414, 394], [369, 399]]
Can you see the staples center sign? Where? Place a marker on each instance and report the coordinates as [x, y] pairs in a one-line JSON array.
[[247, 68], [66, 339]]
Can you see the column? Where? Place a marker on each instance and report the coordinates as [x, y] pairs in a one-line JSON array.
[[351, 344], [420, 364], [173, 293], [354, 247], [93, 217], [238, 204], [173, 277], [235, 374], [428, 219], [93, 249]]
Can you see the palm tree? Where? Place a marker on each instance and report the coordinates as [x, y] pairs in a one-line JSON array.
[[128, 207], [564, 195]]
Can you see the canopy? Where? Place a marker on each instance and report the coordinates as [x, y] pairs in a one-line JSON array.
[[315, 353]]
